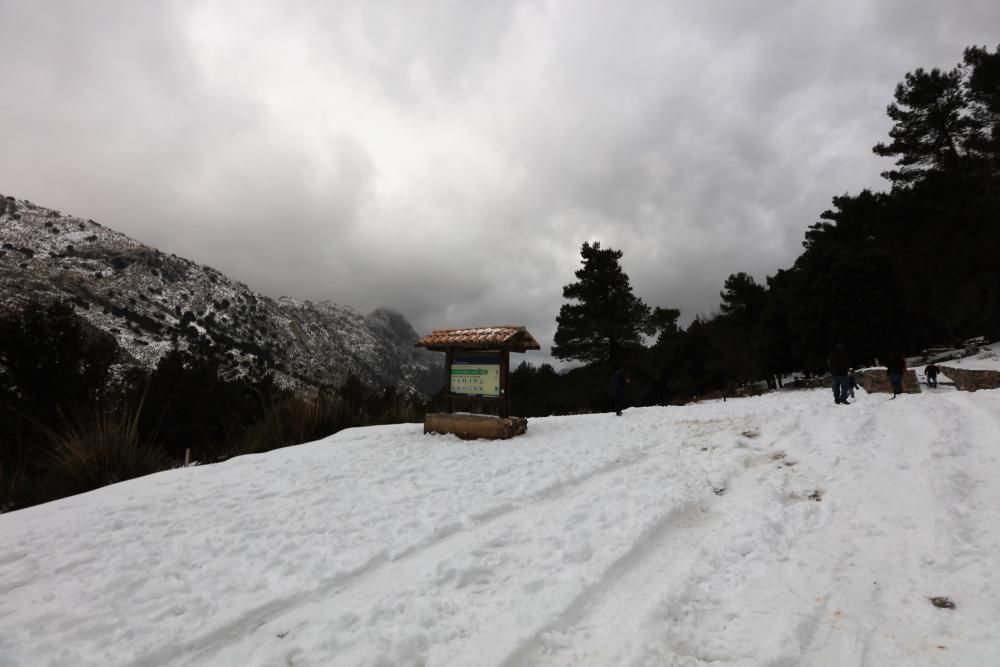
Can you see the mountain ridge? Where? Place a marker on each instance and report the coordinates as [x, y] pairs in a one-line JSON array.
[[151, 301]]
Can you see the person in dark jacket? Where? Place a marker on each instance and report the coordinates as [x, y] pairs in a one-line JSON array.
[[839, 363], [895, 368], [618, 382], [931, 372]]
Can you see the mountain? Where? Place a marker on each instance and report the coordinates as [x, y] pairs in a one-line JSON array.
[[149, 301]]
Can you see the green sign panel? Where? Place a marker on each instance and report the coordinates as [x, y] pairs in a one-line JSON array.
[[475, 376]]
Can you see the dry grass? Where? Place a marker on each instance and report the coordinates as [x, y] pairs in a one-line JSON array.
[[291, 421], [401, 411], [12, 481], [100, 448]]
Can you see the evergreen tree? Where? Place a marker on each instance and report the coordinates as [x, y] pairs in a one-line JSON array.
[[50, 359], [698, 364], [743, 298], [775, 343], [537, 391], [737, 328], [931, 130], [607, 318], [983, 95]]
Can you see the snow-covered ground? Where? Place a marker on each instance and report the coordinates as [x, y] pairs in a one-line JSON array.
[[779, 530], [988, 358]]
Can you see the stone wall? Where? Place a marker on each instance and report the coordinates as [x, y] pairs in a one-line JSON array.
[[810, 383], [875, 381], [970, 380]]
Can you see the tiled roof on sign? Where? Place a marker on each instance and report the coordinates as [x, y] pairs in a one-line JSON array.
[[510, 337]]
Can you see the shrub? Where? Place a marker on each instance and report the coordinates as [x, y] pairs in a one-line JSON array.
[[12, 479], [120, 263], [292, 421], [52, 358], [101, 448]]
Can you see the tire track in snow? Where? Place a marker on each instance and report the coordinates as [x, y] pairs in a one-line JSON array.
[[451, 538], [960, 477], [875, 577], [684, 513], [837, 630], [664, 553], [427, 570], [766, 502], [603, 625]]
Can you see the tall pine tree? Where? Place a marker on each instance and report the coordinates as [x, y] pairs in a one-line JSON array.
[[607, 318], [983, 95], [931, 130]]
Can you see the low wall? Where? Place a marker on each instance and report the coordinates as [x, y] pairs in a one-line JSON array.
[[970, 380], [875, 381], [811, 383], [470, 427]]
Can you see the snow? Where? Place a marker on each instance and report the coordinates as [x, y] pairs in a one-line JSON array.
[[777, 530], [988, 359]]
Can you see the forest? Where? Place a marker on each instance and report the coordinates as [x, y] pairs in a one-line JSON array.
[[912, 267], [903, 269]]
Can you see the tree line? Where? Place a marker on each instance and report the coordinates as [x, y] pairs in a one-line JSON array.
[[73, 417], [911, 267]]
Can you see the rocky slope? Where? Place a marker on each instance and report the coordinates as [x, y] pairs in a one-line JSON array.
[[149, 301]]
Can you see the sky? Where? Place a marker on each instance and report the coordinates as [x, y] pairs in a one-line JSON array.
[[447, 159], [777, 530]]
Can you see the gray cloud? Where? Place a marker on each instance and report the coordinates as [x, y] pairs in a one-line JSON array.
[[448, 159]]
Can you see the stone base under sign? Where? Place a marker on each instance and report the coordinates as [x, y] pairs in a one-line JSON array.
[[470, 427]]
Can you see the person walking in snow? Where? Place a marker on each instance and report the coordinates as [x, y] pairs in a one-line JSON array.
[[932, 372], [839, 364], [895, 368], [618, 382]]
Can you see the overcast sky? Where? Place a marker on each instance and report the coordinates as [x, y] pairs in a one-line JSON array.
[[448, 159]]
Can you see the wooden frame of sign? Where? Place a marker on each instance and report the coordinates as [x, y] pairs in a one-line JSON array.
[[477, 365]]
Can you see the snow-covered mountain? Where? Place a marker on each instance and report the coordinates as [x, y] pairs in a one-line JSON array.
[[146, 299]]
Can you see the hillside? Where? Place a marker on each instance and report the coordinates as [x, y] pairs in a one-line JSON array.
[[775, 530], [146, 299]]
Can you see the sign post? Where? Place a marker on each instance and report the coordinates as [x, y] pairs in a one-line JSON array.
[[477, 370]]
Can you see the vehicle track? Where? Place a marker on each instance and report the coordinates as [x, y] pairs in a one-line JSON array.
[[607, 622], [378, 576]]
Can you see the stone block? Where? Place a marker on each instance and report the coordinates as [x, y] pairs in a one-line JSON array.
[[471, 427], [875, 381]]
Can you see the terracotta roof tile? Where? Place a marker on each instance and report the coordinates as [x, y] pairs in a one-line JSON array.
[[501, 337]]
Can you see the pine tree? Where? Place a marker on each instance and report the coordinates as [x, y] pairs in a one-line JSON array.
[[737, 327], [932, 128], [607, 318], [743, 298], [50, 359], [983, 94]]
